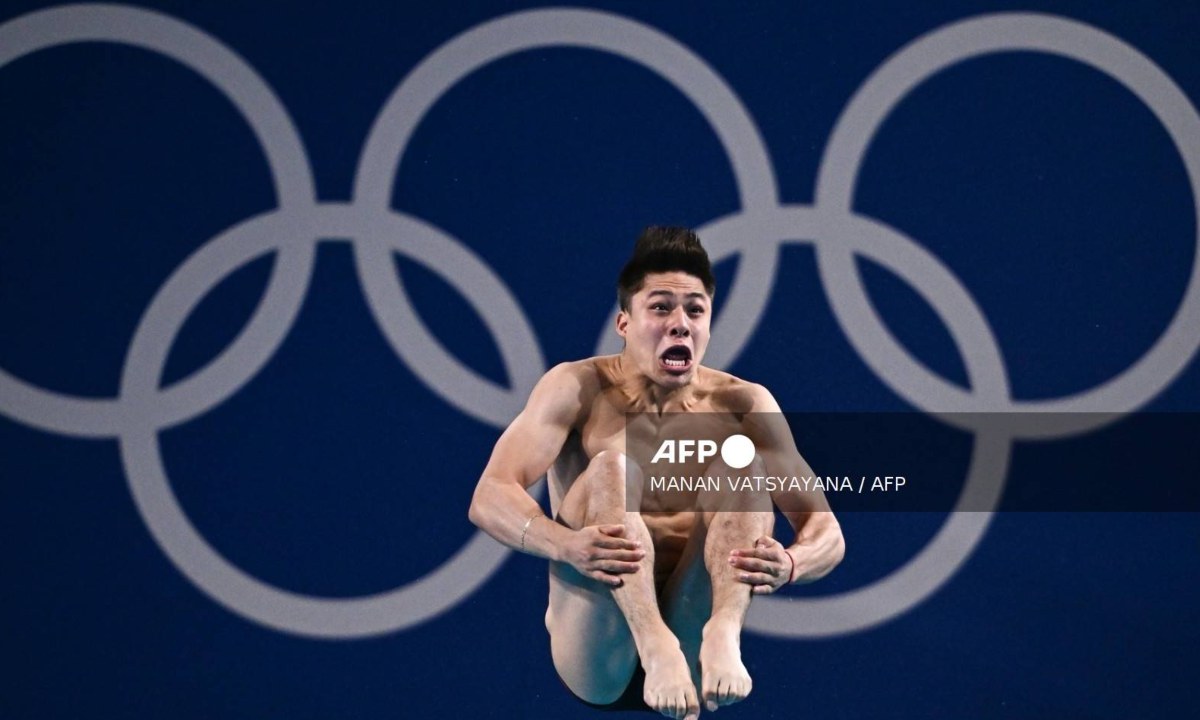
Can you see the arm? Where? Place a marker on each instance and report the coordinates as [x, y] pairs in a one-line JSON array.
[[502, 507], [818, 546]]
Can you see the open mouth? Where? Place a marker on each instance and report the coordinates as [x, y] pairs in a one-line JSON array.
[[676, 359]]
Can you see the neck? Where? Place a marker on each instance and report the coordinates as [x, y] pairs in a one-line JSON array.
[[646, 395]]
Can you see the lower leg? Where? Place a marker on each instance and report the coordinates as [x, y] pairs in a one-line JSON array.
[[724, 678]]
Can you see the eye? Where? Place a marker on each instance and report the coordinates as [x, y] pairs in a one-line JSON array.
[[658, 306], [696, 309]]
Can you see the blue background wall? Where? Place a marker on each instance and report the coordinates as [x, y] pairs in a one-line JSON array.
[[327, 466]]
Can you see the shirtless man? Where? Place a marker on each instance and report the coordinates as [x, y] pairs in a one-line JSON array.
[[632, 582]]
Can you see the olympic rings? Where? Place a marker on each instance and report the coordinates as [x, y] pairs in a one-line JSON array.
[[757, 232]]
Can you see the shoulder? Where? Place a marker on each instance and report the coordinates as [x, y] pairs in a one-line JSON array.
[[587, 374], [567, 388], [736, 395]]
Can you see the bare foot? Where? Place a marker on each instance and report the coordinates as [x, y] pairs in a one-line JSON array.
[[669, 688], [724, 679]]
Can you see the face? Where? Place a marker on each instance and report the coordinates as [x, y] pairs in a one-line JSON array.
[[666, 327]]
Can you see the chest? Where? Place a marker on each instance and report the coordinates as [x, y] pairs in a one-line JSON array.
[[641, 436]]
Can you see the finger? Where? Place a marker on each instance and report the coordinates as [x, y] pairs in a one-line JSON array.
[[750, 564], [616, 567], [756, 578], [616, 543], [611, 529], [756, 565], [622, 555], [762, 590], [766, 541], [606, 578], [774, 553], [756, 552]]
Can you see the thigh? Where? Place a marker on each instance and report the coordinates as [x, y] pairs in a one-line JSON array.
[[590, 641]]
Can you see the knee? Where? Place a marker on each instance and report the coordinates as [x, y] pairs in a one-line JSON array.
[[738, 491], [756, 468], [608, 463], [612, 469]]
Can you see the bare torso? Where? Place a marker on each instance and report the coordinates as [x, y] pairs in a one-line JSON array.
[[604, 424], [665, 588]]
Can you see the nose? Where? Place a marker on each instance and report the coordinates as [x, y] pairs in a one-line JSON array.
[[679, 327]]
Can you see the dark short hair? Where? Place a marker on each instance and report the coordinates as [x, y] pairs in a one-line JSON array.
[[664, 248]]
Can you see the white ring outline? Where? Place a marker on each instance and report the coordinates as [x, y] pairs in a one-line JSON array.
[[286, 158], [593, 30], [937, 562], [206, 568], [1169, 353], [380, 235], [870, 106], [868, 606]]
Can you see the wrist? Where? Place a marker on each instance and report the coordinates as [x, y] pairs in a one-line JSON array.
[[791, 578], [524, 542], [554, 546], [549, 541]]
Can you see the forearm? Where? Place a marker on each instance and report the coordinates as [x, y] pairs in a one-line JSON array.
[[818, 547], [505, 511]]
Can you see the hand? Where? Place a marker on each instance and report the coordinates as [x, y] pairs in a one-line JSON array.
[[602, 553], [766, 567]]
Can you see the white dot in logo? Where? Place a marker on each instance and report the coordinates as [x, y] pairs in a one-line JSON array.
[[737, 451]]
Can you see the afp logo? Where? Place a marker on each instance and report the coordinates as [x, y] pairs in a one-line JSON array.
[[737, 451]]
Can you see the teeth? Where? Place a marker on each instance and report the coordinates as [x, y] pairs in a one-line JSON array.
[[675, 363]]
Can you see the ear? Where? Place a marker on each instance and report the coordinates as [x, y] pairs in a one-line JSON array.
[[622, 323]]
